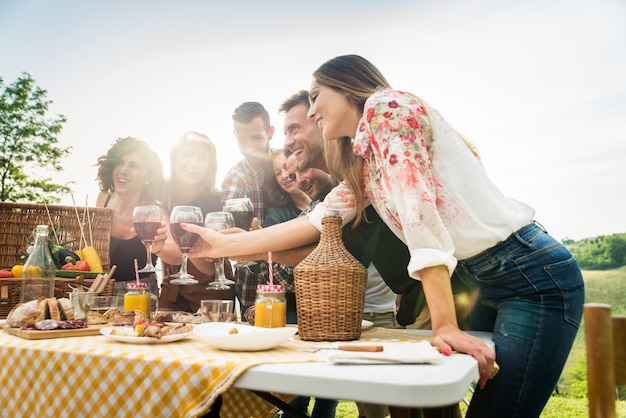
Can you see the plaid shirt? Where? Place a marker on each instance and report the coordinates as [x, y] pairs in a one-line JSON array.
[[243, 180], [247, 280]]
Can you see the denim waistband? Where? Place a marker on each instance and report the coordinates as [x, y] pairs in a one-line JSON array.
[[525, 233]]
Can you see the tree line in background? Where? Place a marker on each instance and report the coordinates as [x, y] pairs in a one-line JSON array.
[[600, 253], [29, 144]]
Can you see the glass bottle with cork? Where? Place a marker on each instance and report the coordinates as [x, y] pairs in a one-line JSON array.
[[39, 271]]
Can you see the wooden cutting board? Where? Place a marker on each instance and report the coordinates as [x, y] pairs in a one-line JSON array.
[[33, 334]]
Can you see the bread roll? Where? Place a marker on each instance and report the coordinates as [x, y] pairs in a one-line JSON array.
[[26, 313]]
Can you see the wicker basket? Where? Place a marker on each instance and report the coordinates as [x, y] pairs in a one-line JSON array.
[[330, 289], [18, 220], [10, 291]]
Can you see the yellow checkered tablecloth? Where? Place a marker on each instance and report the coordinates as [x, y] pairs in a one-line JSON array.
[[94, 376]]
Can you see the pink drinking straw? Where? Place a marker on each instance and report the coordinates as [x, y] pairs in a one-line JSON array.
[[136, 271], [271, 269]]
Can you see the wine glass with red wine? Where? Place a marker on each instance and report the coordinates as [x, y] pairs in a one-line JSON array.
[[218, 221], [146, 220], [243, 212], [184, 239]]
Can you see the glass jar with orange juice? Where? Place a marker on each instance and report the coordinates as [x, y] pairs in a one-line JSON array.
[[270, 306], [139, 298]]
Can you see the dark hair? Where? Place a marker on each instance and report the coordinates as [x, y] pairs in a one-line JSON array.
[[247, 111], [301, 97], [113, 158], [210, 198], [278, 195]]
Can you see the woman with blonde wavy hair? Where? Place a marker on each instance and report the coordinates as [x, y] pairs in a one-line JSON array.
[[425, 181], [193, 169]]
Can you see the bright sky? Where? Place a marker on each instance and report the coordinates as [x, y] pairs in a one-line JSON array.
[[538, 86]]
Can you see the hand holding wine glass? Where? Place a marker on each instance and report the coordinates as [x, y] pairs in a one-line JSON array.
[[243, 212], [146, 221], [184, 239], [218, 221]]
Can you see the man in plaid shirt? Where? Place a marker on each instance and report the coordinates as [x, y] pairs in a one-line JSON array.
[[246, 179]]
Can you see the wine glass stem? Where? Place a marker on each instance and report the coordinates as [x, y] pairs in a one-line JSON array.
[[183, 264], [219, 270], [149, 256]]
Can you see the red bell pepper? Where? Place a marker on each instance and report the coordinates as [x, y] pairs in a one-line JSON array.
[[77, 265], [5, 274]]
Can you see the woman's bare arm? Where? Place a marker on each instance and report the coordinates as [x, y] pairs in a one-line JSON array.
[[288, 257], [446, 333], [287, 235]]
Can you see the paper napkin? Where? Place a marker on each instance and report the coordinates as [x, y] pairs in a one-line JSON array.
[[393, 353]]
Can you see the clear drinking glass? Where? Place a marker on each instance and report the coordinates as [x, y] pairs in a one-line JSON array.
[[146, 220], [242, 210], [218, 221], [184, 239]]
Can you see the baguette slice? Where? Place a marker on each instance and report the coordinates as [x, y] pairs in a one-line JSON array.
[[111, 314], [44, 311], [53, 309], [140, 318], [125, 318], [66, 309], [95, 318]]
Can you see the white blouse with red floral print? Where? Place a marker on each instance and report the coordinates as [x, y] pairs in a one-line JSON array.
[[426, 184]]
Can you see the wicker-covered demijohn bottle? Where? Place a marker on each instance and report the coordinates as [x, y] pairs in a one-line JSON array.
[[330, 288]]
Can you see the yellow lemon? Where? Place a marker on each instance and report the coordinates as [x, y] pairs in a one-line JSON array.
[[139, 329], [33, 271], [16, 270]]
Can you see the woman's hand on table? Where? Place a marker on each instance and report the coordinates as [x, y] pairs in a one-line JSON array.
[[451, 338]]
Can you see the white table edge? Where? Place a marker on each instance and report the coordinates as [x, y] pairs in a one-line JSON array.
[[400, 385]]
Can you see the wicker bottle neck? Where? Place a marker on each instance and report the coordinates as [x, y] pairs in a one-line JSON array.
[[331, 229]]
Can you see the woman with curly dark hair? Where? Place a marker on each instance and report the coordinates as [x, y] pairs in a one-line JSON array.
[[130, 174]]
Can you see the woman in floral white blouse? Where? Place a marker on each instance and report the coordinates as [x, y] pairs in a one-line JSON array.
[[428, 185]]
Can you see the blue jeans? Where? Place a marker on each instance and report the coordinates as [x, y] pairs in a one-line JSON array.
[[531, 297]]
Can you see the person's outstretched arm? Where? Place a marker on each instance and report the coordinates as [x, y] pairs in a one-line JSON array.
[[287, 235]]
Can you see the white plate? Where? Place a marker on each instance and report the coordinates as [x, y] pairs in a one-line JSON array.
[[143, 340], [366, 324], [248, 337], [176, 324]]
